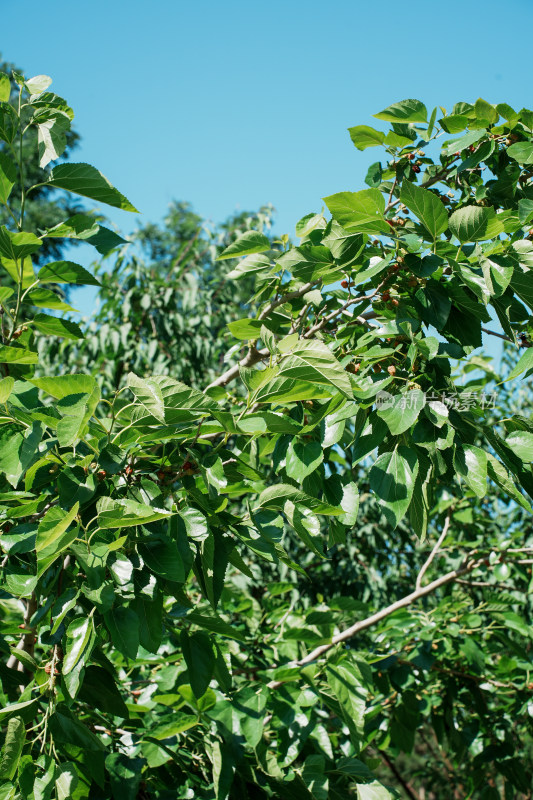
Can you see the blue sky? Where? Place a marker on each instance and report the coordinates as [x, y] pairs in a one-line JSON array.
[[231, 105]]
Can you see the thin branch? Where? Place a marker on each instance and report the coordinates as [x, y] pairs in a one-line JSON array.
[[252, 357], [286, 297], [393, 187], [499, 335], [324, 321], [363, 624], [435, 550], [403, 783]]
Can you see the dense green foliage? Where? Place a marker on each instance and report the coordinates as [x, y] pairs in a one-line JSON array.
[[304, 573], [46, 206]]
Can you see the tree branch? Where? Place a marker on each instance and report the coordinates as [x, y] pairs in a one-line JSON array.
[[435, 550], [363, 624], [499, 335], [403, 783], [324, 321], [286, 297], [252, 357]]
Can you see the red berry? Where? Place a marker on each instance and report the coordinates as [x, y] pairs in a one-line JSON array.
[[416, 168], [395, 302], [385, 296], [344, 284], [101, 474]]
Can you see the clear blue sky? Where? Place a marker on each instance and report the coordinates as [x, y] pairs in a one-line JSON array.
[[233, 104]]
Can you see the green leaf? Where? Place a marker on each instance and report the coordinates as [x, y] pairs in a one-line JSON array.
[[302, 459], [15, 246], [524, 363], [17, 355], [66, 272], [125, 513], [123, 626], [46, 298], [52, 138], [162, 557], [429, 209], [55, 326], [125, 773], [500, 476], [195, 523], [149, 394], [361, 211], [54, 523], [276, 496], [8, 176], [401, 411], [313, 361], [257, 262], [345, 246], [349, 504], [9, 123], [249, 242], [521, 152], [475, 224], [18, 450], [471, 463], [404, 111], [66, 779], [373, 791], [88, 182], [314, 777], [27, 707], [79, 635], [5, 87], [38, 84], [308, 224], [200, 658], [12, 749], [6, 387], [100, 691], [392, 479], [363, 136], [245, 328], [521, 443], [433, 304], [85, 228], [345, 683], [458, 145]]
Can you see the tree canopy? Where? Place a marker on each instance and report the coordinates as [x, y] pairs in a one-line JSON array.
[[266, 525]]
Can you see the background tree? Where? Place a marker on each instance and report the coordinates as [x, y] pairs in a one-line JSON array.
[[163, 309], [317, 584]]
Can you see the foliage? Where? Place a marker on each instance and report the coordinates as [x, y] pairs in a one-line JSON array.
[[165, 309], [46, 206], [313, 587]]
